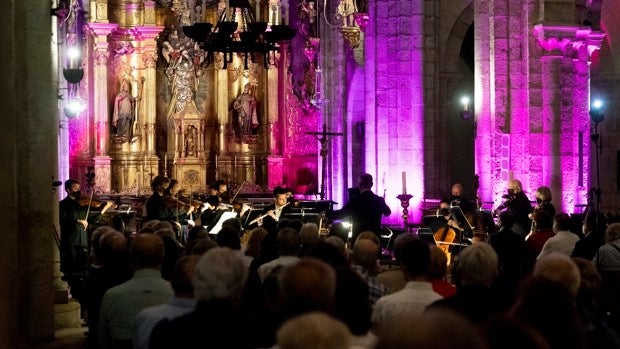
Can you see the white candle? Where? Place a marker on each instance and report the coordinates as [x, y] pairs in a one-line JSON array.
[[235, 168], [404, 179], [165, 160], [254, 161], [216, 162]]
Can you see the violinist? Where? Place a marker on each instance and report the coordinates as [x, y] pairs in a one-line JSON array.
[[215, 202], [74, 210], [517, 203], [181, 207], [543, 203], [156, 206]]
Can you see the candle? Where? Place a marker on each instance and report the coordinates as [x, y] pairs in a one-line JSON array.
[[235, 168], [254, 161], [404, 179], [216, 161], [165, 160]]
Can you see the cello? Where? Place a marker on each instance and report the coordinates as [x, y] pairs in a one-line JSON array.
[[444, 236]]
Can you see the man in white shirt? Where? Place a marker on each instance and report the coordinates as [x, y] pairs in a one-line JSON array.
[[563, 241], [417, 294]]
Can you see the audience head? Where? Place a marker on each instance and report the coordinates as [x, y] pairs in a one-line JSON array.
[[560, 268], [147, 251], [309, 285], [295, 224], [228, 237], [202, 246], [352, 305], [196, 232], [233, 223], [288, 242], [340, 231], [435, 329], [369, 235], [506, 332], [181, 280], [365, 254], [613, 232], [163, 225], [439, 264], [591, 283], [220, 274], [114, 249], [477, 265], [595, 221], [612, 216], [399, 244], [549, 307], [329, 253], [336, 242], [314, 330], [95, 240], [562, 222], [309, 234], [415, 258], [507, 220], [255, 241]]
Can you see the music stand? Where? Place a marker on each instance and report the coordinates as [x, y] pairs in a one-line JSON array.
[[426, 235], [218, 226], [458, 214]]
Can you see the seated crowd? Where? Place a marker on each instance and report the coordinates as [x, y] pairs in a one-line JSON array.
[[289, 288]]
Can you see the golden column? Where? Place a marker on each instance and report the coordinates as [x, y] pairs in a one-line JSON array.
[[99, 33]]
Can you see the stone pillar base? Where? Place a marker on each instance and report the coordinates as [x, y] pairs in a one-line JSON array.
[[103, 170], [275, 171], [67, 315]]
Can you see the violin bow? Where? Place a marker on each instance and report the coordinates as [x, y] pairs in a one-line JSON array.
[[237, 193], [89, 202]]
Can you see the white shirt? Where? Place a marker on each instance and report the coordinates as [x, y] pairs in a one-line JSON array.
[[563, 242], [411, 301], [265, 269]]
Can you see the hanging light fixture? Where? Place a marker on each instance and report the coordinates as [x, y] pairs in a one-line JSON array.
[[243, 35]]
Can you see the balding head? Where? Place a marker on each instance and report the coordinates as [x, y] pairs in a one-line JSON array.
[[147, 251], [365, 254], [561, 269]]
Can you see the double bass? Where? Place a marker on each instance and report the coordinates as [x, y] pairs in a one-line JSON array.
[[445, 236]]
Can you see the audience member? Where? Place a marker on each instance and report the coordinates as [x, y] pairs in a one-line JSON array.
[[364, 262], [417, 294], [314, 330], [564, 240], [183, 302], [121, 304], [544, 230], [252, 249], [215, 322], [474, 272], [394, 279], [607, 262], [437, 273], [288, 246]]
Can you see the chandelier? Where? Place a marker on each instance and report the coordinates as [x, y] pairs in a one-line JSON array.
[[238, 32]]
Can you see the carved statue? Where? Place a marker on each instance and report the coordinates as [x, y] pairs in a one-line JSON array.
[[184, 59], [191, 135], [245, 120], [124, 111], [346, 8]]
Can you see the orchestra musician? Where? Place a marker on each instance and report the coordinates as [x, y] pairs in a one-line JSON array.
[[74, 210], [365, 209], [181, 207], [215, 204], [517, 203], [156, 205], [543, 203], [456, 198], [272, 213]]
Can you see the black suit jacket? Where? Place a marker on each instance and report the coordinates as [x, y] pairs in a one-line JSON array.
[[365, 211]]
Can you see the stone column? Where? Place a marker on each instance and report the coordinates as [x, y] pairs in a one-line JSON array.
[[99, 33], [565, 92], [148, 51]]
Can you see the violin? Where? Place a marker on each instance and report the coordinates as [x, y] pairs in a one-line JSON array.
[[90, 202], [176, 202]]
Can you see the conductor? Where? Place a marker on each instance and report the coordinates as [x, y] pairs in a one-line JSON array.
[[365, 209]]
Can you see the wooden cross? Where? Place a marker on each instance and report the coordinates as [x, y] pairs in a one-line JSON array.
[[324, 137]]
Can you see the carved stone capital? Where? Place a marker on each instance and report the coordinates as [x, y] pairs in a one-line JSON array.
[[569, 41]]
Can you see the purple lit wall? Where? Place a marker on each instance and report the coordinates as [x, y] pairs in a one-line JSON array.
[[395, 102], [531, 102]]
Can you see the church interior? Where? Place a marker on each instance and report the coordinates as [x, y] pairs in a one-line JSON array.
[[299, 94]]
